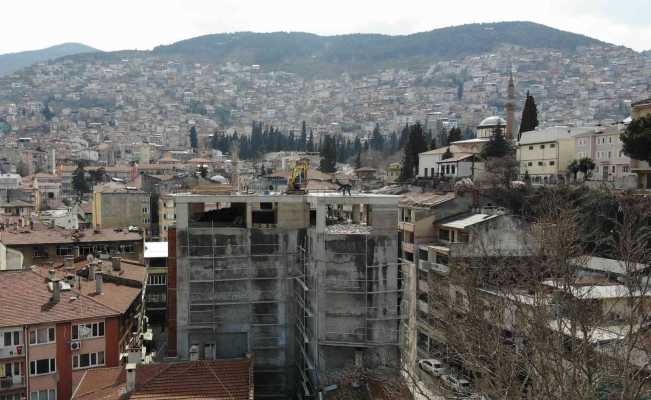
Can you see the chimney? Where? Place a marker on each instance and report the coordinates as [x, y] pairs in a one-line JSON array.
[[56, 291], [69, 262], [116, 263], [131, 377], [51, 274], [91, 270], [99, 283]]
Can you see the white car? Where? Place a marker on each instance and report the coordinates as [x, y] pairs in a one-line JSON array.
[[457, 384], [433, 366]]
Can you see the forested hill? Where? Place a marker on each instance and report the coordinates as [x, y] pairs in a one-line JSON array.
[[14, 61], [282, 48]]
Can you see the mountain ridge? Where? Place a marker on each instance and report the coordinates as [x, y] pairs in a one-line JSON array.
[[276, 47], [11, 62]]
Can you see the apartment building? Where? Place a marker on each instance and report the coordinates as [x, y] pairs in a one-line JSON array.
[[310, 283], [437, 231], [156, 263], [57, 323], [42, 244], [604, 148], [166, 215], [116, 205], [545, 154]]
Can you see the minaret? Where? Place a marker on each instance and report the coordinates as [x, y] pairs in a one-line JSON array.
[[510, 108]]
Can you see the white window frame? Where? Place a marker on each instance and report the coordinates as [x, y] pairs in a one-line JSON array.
[[12, 337], [76, 360], [91, 326], [51, 394], [52, 363], [35, 332]]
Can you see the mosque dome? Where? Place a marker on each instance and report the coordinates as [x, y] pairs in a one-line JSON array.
[[492, 122]]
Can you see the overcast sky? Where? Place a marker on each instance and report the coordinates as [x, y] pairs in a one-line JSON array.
[[143, 24]]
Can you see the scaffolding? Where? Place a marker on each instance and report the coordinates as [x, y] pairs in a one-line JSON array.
[[304, 337], [241, 288]]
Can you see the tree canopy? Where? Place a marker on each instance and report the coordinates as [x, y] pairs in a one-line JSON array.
[[416, 143], [529, 120], [497, 146], [637, 139]]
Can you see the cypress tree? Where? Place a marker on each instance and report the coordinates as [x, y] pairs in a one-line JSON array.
[[529, 120], [310, 142], [194, 139]]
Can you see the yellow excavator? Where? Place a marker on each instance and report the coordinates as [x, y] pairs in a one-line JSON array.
[[298, 179]]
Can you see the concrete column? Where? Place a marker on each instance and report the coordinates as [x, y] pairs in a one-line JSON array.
[[321, 214], [249, 216], [356, 211]]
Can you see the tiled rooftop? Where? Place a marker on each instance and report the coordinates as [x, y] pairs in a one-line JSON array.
[[44, 235], [217, 380], [26, 299]]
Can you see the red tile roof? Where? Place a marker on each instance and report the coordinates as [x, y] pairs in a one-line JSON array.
[[26, 300], [216, 380], [230, 379], [44, 235]]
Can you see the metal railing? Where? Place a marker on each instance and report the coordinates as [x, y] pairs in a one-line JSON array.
[[12, 382]]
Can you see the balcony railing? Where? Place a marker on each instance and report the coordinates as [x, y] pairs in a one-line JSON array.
[[436, 267], [12, 382], [13, 351]]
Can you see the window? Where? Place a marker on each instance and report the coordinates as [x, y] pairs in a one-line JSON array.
[[552, 145], [530, 147], [540, 163], [64, 251], [41, 367], [625, 168], [452, 168], [88, 331], [426, 172], [40, 252], [551, 163], [542, 147], [444, 234], [157, 279], [529, 164], [11, 338], [613, 169], [129, 248], [88, 360], [50, 394], [41, 336], [441, 259]]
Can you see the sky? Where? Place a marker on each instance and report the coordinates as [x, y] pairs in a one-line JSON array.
[[143, 24]]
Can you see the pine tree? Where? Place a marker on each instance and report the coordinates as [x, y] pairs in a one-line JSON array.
[[454, 135], [497, 146], [194, 139], [310, 142], [529, 120], [328, 155], [393, 143], [404, 137], [377, 140], [79, 182], [358, 159], [415, 145], [302, 141]]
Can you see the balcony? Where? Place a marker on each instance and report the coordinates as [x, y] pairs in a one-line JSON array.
[[407, 226], [11, 351], [12, 382], [408, 247], [435, 267]]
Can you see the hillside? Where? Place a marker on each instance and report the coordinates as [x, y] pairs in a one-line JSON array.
[[11, 62], [296, 48]]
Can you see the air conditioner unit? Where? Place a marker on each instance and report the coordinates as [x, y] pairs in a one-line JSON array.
[[75, 345]]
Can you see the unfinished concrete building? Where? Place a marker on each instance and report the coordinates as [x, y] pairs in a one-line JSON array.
[[309, 283]]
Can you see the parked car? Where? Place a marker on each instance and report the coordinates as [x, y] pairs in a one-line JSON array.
[[457, 384], [433, 366]]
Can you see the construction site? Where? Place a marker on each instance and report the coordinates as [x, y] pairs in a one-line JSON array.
[[307, 282]]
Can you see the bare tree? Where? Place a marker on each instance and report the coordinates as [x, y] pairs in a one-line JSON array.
[[542, 325]]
